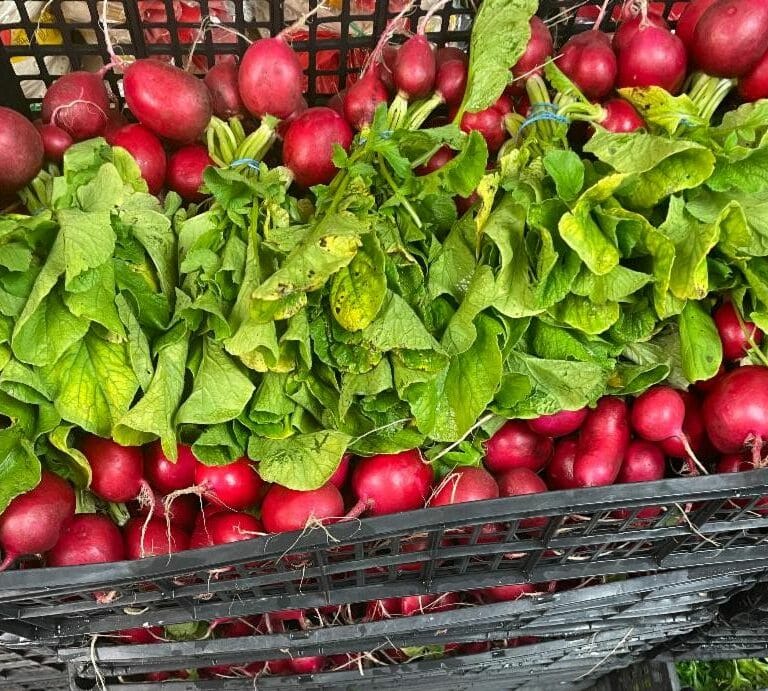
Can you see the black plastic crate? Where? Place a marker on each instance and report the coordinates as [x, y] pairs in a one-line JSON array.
[[30, 668]]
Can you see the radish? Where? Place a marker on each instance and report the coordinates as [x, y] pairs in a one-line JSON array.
[[386, 608], [520, 481], [117, 472], [558, 424], [270, 78], [428, 604], [153, 538], [185, 171], [444, 54], [141, 635], [754, 84], [686, 25], [507, 593], [307, 665], [32, 522], [515, 445], [286, 509], [735, 333], [226, 527], [654, 56], [588, 60], [55, 141], [559, 471], [602, 442], [629, 27], [537, 51], [414, 68], [490, 124], [146, 150], [464, 484], [183, 513], [309, 142], [437, 161], [336, 102], [390, 483], [737, 463], [451, 82], [617, 115], [693, 429], [339, 476], [643, 462], [363, 97], [21, 151], [87, 538], [77, 102], [166, 476], [148, 84], [235, 486], [222, 83]]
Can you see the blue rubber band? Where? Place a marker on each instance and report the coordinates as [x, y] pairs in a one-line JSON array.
[[250, 162], [544, 115]]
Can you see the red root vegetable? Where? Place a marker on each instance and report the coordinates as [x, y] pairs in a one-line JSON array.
[[286, 509], [437, 161], [77, 102], [87, 538], [686, 25], [654, 56], [166, 476], [363, 97], [21, 151], [588, 60], [185, 171], [735, 333], [559, 471], [226, 527], [619, 116], [754, 84], [520, 481], [183, 513], [235, 486], [464, 484], [117, 472], [537, 51], [222, 83], [602, 443], [153, 538], [428, 604], [447, 53], [414, 69], [451, 81], [147, 151], [643, 462], [339, 477], [515, 445], [490, 124], [629, 27], [693, 429], [308, 665], [558, 424], [55, 141], [507, 593]]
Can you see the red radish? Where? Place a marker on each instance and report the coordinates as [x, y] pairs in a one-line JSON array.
[[391, 483], [754, 84], [183, 513], [588, 60], [87, 538], [464, 204], [153, 538], [363, 97], [77, 102], [515, 445], [286, 509], [222, 83], [628, 28], [473, 648], [270, 78], [148, 85], [166, 476], [654, 56], [730, 37], [32, 522], [235, 486], [737, 463], [693, 429], [185, 171], [620, 116], [376, 610], [490, 123], [339, 476], [537, 52], [21, 151], [146, 150], [141, 635], [735, 333], [447, 53], [520, 481], [309, 142], [686, 25], [504, 105], [413, 72], [277, 668], [55, 141], [451, 81], [336, 102], [558, 424], [307, 665], [507, 593], [643, 462], [464, 484], [602, 442], [117, 472], [437, 161], [559, 472], [428, 604], [704, 386], [226, 527]]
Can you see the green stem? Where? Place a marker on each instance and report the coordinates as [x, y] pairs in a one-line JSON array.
[[257, 143], [397, 112], [419, 112], [391, 182], [707, 93], [538, 94]]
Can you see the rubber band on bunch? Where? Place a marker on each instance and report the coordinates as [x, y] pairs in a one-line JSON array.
[[252, 163], [544, 111]]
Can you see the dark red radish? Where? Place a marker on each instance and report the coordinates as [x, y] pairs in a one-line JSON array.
[[739, 463], [507, 593], [516, 445], [463, 484], [225, 527], [730, 37], [21, 151], [141, 635], [602, 443], [277, 668], [336, 102], [117, 472], [391, 483], [588, 60], [620, 116], [152, 538], [149, 84], [629, 27], [77, 102], [489, 123], [307, 665], [164, 475], [185, 171], [520, 481], [55, 141], [559, 471], [473, 648], [735, 333], [377, 610], [222, 83], [704, 386], [286, 509], [270, 78], [147, 151], [447, 53], [643, 462], [87, 538], [183, 513], [437, 161], [451, 81], [558, 424], [686, 25], [388, 56], [32, 522], [235, 486], [428, 604], [339, 477], [693, 429], [414, 68], [309, 142], [363, 97], [754, 84], [464, 204], [537, 51], [654, 56]]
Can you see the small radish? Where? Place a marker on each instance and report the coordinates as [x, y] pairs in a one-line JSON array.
[[147, 151], [447, 53], [693, 428], [537, 51], [588, 60], [442, 156], [558, 424], [21, 151], [226, 527], [183, 513], [754, 84], [735, 333], [520, 481], [559, 471], [686, 25], [235, 486], [153, 538], [339, 476], [77, 102], [628, 28], [464, 484], [55, 141], [87, 538], [643, 462], [654, 56], [414, 69], [309, 142], [117, 472], [336, 102], [489, 123], [515, 445], [32, 522], [619, 116], [363, 97], [602, 443], [391, 483], [307, 665], [185, 171], [286, 509], [507, 593], [166, 476], [451, 81], [428, 604], [222, 83]]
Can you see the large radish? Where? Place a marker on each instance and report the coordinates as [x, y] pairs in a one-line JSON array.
[[77, 102], [21, 151], [602, 443]]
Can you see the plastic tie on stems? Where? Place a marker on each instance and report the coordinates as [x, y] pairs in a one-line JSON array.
[[543, 111], [250, 162]]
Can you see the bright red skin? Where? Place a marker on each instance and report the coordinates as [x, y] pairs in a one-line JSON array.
[[588, 60], [21, 151], [693, 429], [465, 484], [376, 610], [308, 145], [414, 69], [754, 84], [184, 510], [270, 78], [438, 160], [602, 443], [733, 337], [307, 665], [628, 28], [736, 410], [537, 52], [427, 604], [117, 471], [653, 57], [55, 141], [156, 538], [686, 25], [558, 424], [447, 53], [362, 99], [185, 171], [235, 486], [32, 522], [148, 85], [286, 509], [730, 37], [147, 151], [392, 482], [141, 635], [451, 81], [339, 476], [507, 593], [658, 414], [166, 476], [87, 538], [559, 472], [225, 527], [78, 103], [643, 462], [222, 83], [619, 116], [515, 445], [490, 123], [520, 481]]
